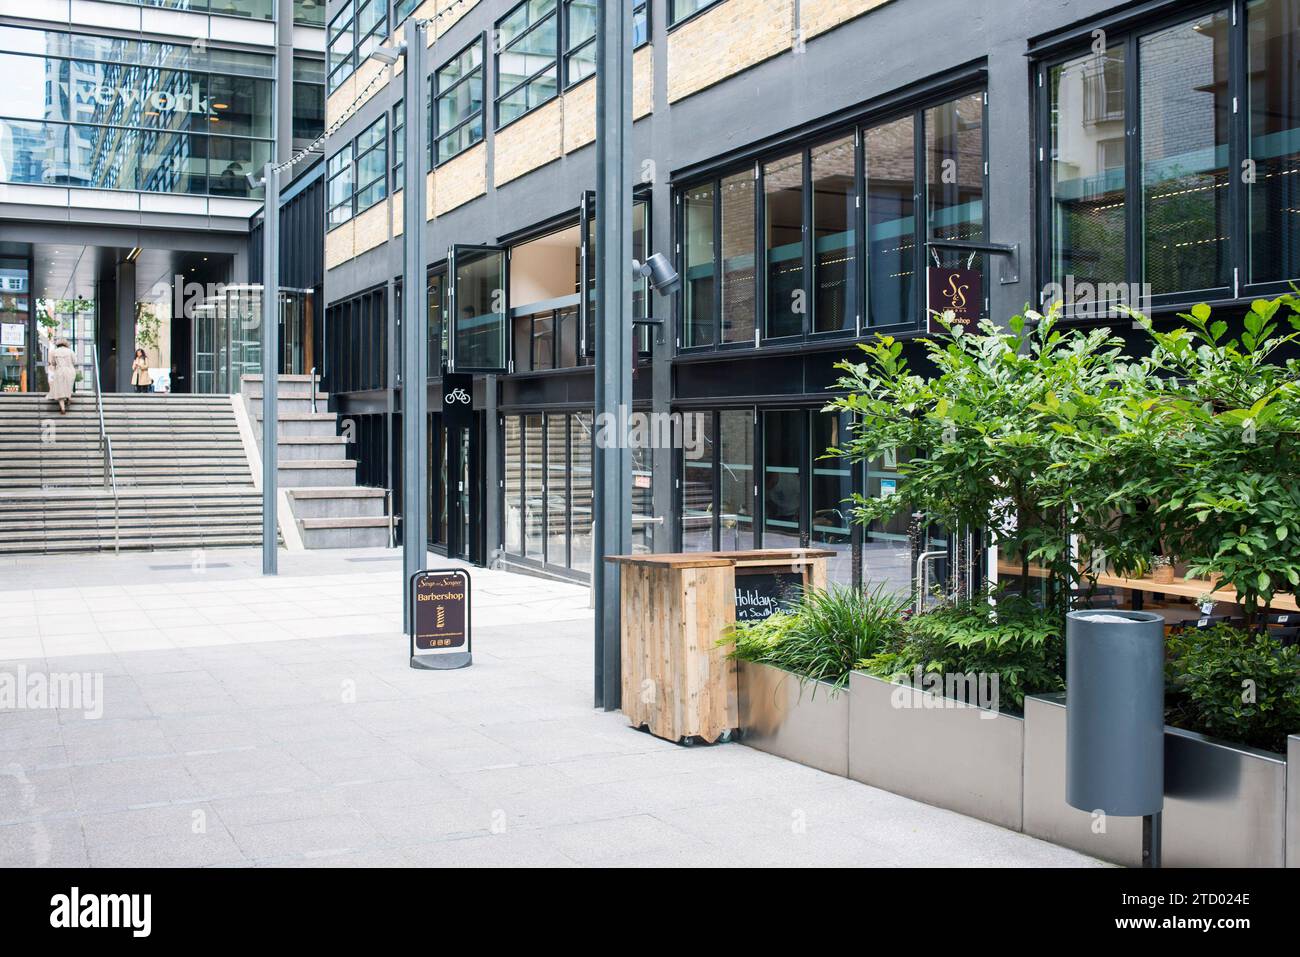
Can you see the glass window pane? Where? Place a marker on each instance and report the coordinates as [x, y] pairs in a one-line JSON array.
[[738, 257], [891, 222], [513, 511], [1274, 97], [736, 451], [534, 517], [557, 489], [480, 309], [580, 490], [1186, 115], [697, 490], [886, 550], [699, 320], [835, 306], [783, 478], [1088, 172], [832, 487], [954, 169], [783, 221]]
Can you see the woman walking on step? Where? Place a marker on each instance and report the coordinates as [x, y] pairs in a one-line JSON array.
[[140, 377], [61, 370]]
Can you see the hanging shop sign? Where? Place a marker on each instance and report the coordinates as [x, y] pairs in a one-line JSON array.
[[959, 291], [440, 619], [457, 400]]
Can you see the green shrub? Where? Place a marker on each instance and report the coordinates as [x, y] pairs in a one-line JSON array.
[[1231, 684], [1023, 645], [822, 635]]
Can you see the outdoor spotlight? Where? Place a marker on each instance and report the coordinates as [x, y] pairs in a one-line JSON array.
[[663, 277], [254, 181], [388, 55]]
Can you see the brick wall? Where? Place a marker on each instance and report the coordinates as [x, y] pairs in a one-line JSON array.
[[340, 245], [457, 181], [530, 142], [725, 40], [818, 16]]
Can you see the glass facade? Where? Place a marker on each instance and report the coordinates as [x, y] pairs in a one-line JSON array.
[[819, 276], [308, 98], [112, 113], [1160, 176], [547, 491], [16, 332]]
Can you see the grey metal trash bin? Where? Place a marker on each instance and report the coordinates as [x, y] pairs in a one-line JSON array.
[[1115, 702]]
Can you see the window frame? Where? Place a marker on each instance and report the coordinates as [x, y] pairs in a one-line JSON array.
[[675, 20], [336, 73], [915, 324], [359, 153], [436, 94], [331, 174], [1131, 32], [498, 50]]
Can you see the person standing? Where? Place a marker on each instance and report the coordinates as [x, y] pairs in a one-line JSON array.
[[61, 370], [140, 377]]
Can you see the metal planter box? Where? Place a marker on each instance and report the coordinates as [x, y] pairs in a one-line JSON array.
[[1047, 815], [800, 721], [1225, 804], [944, 752]]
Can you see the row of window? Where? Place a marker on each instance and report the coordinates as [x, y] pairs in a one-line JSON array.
[[1172, 158], [547, 509], [830, 239], [761, 479], [356, 177]]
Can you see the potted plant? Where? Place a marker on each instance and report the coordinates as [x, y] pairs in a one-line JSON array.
[[1162, 569]]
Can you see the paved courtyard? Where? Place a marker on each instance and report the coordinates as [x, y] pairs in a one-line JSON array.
[[254, 721]]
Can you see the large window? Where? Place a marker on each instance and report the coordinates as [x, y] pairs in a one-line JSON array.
[[458, 103], [114, 113], [341, 42], [308, 98], [372, 164], [339, 188], [527, 59], [1160, 180], [836, 228]]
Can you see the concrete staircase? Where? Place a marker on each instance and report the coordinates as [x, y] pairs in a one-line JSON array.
[[329, 509], [183, 477]]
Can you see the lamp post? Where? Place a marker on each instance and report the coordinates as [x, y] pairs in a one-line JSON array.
[[415, 357], [270, 367], [613, 466]]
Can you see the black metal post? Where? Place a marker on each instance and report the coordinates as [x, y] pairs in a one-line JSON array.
[[415, 359], [270, 368], [613, 466]]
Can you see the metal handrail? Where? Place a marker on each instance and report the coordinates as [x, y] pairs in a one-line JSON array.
[[106, 450], [388, 508], [313, 389]]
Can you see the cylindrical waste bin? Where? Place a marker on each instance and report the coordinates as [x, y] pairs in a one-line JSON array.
[[1115, 702]]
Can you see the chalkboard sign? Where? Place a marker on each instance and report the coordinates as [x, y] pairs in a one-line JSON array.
[[760, 595]]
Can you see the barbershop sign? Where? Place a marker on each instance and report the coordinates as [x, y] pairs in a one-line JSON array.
[[959, 291]]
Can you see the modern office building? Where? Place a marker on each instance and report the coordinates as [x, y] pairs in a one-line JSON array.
[[127, 133], [809, 167]]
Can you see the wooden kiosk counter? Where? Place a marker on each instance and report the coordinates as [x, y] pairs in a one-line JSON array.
[[677, 679]]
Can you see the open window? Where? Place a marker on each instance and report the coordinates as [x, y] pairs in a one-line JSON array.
[[478, 307]]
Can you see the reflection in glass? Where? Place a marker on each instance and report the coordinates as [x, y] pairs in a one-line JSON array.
[[832, 487], [736, 456], [557, 489], [954, 172], [738, 257], [514, 478], [699, 320], [697, 491], [580, 486], [835, 304], [891, 223], [1274, 104], [782, 478], [1186, 113], [480, 309], [1088, 171], [534, 518], [783, 245]]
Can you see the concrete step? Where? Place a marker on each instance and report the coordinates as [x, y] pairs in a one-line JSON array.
[[344, 532], [323, 447], [306, 473], [324, 503]]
